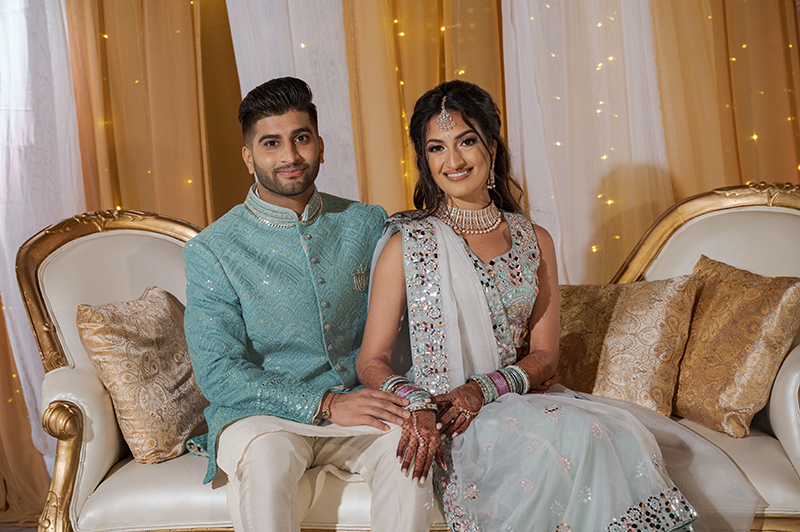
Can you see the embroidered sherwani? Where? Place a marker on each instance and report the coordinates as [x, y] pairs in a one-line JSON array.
[[275, 313]]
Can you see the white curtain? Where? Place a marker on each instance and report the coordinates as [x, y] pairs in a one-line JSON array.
[[40, 179], [304, 39], [584, 126]]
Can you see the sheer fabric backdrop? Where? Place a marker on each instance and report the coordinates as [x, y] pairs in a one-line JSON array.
[[585, 126], [305, 39], [40, 174]]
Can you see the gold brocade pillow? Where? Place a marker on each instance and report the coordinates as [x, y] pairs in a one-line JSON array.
[[742, 329], [139, 351], [585, 314], [645, 342]]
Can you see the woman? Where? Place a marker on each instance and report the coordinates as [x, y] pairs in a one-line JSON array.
[[478, 282]]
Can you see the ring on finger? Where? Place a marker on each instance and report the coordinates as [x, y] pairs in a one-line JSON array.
[[467, 413]]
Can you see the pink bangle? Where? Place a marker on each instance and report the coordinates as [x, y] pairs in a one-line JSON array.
[[500, 382]]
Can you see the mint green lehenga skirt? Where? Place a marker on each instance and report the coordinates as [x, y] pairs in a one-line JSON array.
[[559, 462]]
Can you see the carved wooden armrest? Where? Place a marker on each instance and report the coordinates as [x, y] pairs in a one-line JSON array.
[[62, 420]]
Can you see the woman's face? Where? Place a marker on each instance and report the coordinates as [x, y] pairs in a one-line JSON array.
[[459, 163]]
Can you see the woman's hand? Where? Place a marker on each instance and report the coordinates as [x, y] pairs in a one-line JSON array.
[[544, 386], [420, 441], [458, 408]]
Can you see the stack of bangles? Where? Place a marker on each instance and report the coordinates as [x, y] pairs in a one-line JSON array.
[[510, 379], [418, 398]]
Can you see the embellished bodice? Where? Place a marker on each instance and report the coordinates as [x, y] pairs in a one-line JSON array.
[[514, 275], [444, 278]]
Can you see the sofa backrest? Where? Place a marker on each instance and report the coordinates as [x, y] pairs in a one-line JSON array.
[[752, 227], [94, 259]]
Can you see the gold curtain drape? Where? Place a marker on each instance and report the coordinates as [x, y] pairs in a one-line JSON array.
[[140, 110], [728, 73], [23, 477], [397, 50]]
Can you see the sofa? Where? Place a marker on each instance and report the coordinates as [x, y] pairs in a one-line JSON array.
[[99, 257]]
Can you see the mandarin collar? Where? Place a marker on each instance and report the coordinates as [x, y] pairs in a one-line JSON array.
[[281, 216]]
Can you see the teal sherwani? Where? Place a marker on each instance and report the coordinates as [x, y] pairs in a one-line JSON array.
[[276, 308]]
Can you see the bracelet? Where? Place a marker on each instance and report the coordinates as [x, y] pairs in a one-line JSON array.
[[517, 378], [510, 379], [487, 386], [418, 398]]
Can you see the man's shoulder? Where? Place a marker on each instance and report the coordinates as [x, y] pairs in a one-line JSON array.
[[361, 212], [220, 232]]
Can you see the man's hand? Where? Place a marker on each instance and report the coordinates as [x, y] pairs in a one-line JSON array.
[[367, 407]]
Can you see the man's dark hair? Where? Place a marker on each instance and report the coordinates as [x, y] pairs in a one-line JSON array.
[[275, 97]]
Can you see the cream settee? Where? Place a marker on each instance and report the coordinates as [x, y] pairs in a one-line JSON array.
[[108, 256]]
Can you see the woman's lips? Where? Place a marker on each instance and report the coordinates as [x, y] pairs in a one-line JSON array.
[[457, 176]]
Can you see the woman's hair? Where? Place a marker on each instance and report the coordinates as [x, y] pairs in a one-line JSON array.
[[481, 114]]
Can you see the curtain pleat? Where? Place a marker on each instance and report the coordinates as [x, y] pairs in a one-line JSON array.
[[139, 108], [728, 70], [23, 476]]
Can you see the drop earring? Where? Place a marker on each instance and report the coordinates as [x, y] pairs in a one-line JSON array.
[[490, 183]]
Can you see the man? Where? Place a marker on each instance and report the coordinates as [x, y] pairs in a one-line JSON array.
[[277, 300]]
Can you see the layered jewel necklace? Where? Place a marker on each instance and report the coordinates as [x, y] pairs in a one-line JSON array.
[[470, 222]]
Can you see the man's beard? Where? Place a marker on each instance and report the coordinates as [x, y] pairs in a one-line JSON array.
[[294, 187]]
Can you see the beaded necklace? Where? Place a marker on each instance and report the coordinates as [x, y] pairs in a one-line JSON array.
[[470, 222]]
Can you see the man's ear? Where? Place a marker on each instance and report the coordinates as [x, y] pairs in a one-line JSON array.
[[321, 150], [247, 155]]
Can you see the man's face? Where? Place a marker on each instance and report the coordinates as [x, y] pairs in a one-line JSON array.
[[285, 153]]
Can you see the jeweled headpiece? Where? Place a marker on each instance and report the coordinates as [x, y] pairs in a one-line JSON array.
[[445, 122]]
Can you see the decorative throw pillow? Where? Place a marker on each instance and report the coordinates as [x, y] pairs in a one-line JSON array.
[[139, 351], [585, 314], [645, 341], [742, 329]]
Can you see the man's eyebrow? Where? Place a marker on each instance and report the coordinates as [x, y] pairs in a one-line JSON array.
[[467, 132], [273, 136]]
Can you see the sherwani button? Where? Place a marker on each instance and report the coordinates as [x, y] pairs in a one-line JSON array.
[[330, 347], [321, 280], [338, 367], [325, 304], [327, 326], [314, 260], [308, 237]]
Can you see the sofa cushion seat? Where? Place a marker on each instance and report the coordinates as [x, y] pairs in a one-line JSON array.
[[764, 462], [171, 495]]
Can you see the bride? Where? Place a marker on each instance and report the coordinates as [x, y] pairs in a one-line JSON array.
[[477, 284]]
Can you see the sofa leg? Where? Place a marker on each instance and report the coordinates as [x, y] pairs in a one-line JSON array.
[[62, 420]]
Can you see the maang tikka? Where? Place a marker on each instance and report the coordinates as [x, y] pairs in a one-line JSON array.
[[445, 122]]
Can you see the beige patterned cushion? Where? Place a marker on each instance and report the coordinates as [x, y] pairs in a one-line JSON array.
[[742, 329], [139, 351], [585, 314], [645, 342]]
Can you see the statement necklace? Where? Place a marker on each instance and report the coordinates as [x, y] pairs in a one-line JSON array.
[[470, 222]]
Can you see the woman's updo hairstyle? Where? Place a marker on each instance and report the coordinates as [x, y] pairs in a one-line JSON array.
[[481, 114]]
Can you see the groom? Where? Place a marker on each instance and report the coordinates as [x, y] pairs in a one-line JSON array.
[[276, 305]]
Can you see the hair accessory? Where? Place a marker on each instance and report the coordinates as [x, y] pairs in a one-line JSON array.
[[470, 222], [490, 183], [445, 122]]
